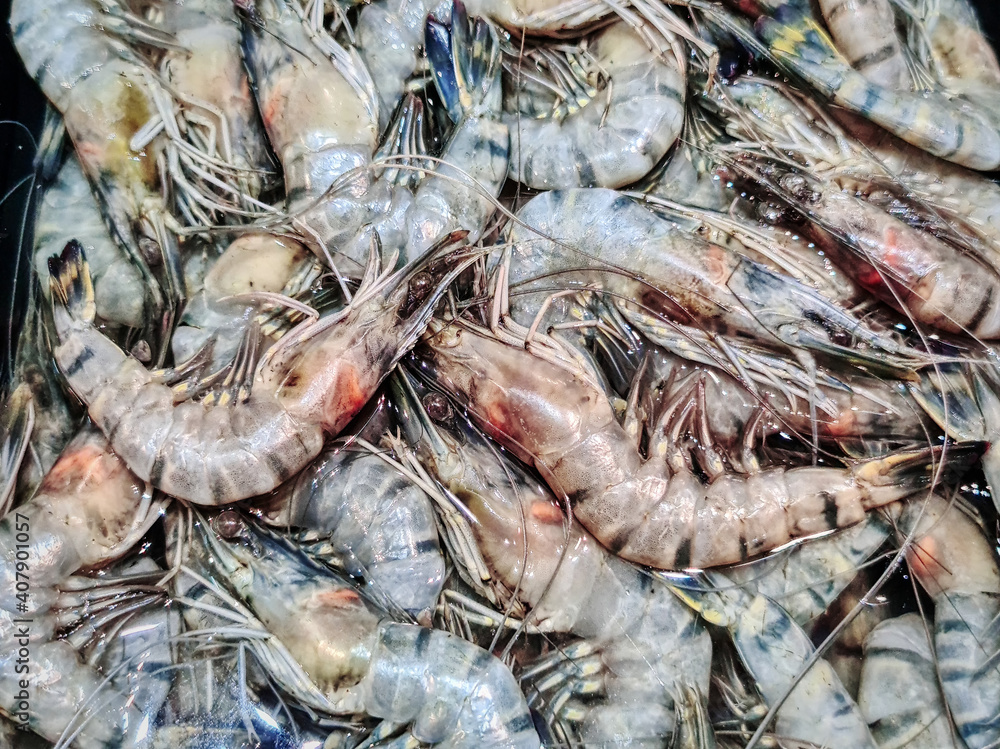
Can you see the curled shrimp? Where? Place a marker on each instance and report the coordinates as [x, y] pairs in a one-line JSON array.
[[650, 511], [444, 689], [88, 510], [271, 422], [322, 118], [611, 140], [375, 519]]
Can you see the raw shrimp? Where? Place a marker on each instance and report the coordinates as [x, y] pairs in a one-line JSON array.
[[806, 580], [910, 269], [774, 650], [317, 104], [322, 120], [865, 33], [956, 564], [613, 139], [556, 418], [899, 694], [961, 52], [106, 96], [649, 651], [646, 259], [730, 400], [953, 128], [68, 211], [784, 251], [221, 450], [378, 522], [88, 510], [447, 690]]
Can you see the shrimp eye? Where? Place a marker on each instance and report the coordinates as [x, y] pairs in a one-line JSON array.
[[437, 407], [420, 284], [228, 524]]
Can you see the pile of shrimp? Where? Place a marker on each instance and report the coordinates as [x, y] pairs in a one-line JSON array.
[[497, 374]]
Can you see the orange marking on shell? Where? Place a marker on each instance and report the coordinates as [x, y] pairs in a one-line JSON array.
[[843, 425], [923, 559], [350, 393], [88, 464], [496, 416], [546, 512], [338, 598], [715, 264], [274, 107]]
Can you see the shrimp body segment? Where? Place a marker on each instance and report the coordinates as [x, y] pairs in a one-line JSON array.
[[319, 110], [380, 523], [899, 693], [865, 32], [562, 423], [615, 138], [213, 453]]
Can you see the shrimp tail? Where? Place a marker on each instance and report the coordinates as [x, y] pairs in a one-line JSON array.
[[903, 473], [465, 59], [72, 287], [949, 393]]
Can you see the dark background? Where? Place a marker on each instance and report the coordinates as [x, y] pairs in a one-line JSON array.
[[21, 102]]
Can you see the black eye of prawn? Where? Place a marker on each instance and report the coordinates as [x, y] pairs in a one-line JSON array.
[[417, 290], [228, 524], [437, 407]]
